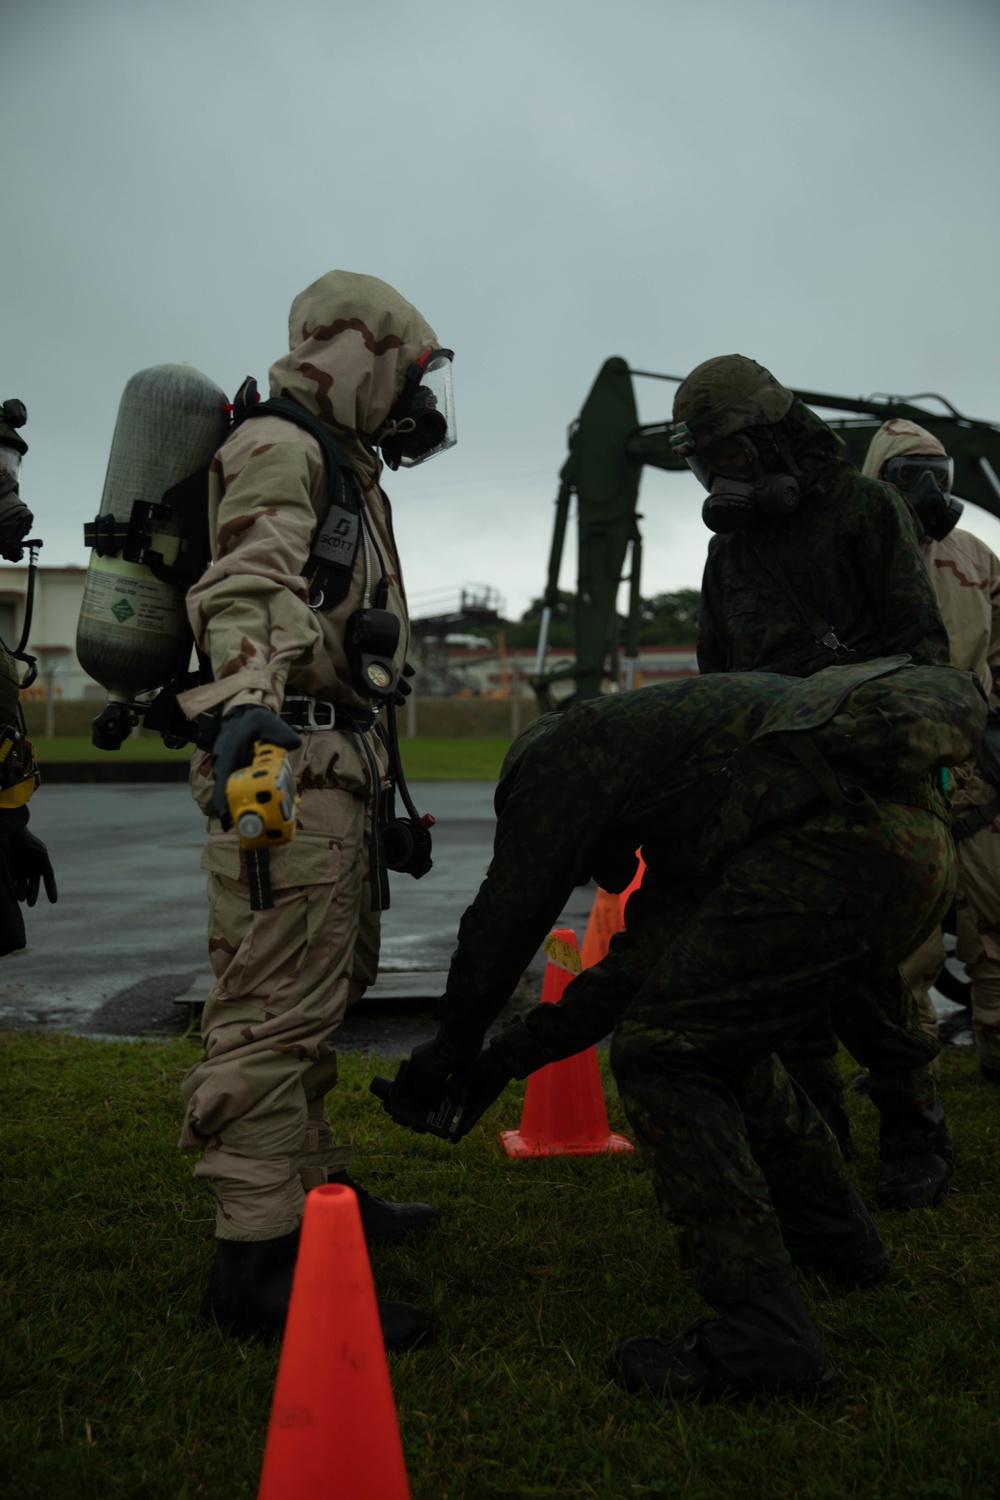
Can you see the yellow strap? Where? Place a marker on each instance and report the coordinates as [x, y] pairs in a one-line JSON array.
[[564, 955], [18, 794]]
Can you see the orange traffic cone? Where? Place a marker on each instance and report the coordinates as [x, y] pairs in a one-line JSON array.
[[636, 883], [564, 1111], [333, 1429], [604, 921], [607, 916]]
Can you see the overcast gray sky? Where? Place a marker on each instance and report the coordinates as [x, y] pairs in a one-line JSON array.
[[812, 182]]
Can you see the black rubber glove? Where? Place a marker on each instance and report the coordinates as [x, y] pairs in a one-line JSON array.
[[423, 1084], [29, 865], [233, 748], [476, 1087], [403, 688]]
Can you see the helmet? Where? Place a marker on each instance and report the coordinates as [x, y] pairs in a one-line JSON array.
[[723, 396]]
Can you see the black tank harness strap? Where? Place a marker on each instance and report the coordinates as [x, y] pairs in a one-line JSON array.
[[823, 634], [258, 863], [335, 543], [975, 821]]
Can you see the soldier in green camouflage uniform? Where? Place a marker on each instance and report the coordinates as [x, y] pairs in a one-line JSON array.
[[793, 841], [793, 582], [24, 860]]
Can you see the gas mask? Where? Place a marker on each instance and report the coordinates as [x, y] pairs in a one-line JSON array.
[[16, 519], [924, 480], [421, 421], [741, 491]]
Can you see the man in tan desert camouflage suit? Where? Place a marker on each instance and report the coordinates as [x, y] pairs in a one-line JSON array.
[[966, 579], [255, 1101]]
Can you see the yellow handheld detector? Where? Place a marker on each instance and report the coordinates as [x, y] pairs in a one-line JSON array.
[[263, 799]]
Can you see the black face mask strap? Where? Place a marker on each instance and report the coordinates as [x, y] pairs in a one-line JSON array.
[[781, 442], [822, 634]]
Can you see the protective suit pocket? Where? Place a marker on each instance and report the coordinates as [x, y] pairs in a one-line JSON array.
[[310, 859]]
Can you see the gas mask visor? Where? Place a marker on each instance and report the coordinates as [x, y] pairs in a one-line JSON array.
[[906, 471], [924, 481], [733, 458], [421, 423]]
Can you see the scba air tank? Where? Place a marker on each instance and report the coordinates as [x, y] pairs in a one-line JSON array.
[[133, 632]]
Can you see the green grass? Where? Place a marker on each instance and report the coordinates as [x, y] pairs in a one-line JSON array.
[[423, 759], [453, 760], [77, 747], [537, 1269]]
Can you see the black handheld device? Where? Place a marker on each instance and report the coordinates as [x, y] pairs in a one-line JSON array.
[[438, 1119]]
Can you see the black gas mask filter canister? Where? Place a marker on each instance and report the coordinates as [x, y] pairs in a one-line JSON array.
[[741, 492]]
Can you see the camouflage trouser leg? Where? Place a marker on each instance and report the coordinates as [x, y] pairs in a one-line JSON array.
[[811, 1059], [796, 918], [978, 909], [721, 1150], [882, 1032], [879, 1024], [255, 1100], [920, 971], [364, 965]]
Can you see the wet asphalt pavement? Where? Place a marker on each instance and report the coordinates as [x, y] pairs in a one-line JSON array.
[[123, 952]]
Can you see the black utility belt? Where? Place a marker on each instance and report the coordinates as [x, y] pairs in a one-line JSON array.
[[307, 714], [918, 791]]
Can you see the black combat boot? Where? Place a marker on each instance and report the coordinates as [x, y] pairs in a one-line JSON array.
[[251, 1282], [839, 1121], [918, 1155], [763, 1347], [838, 1239], [385, 1222]]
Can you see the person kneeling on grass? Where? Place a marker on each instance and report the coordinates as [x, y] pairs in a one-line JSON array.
[[796, 844]]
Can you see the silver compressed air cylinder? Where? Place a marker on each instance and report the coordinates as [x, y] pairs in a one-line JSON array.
[[133, 634]]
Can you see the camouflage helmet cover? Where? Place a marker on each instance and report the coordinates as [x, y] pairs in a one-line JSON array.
[[726, 395]]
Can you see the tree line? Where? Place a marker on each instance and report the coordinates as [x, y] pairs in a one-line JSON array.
[[664, 620]]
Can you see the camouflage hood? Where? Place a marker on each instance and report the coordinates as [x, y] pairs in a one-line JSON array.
[[893, 439], [351, 339]]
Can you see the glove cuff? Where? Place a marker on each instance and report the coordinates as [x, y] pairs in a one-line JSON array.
[[515, 1049]]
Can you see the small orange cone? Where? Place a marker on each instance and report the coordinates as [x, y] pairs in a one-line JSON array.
[[333, 1431], [604, 921], [564, 1111], [607, 916], [636, 883]]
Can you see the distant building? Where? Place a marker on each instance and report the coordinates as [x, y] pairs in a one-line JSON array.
[[58, 594], [458, 663], [484, 669]]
